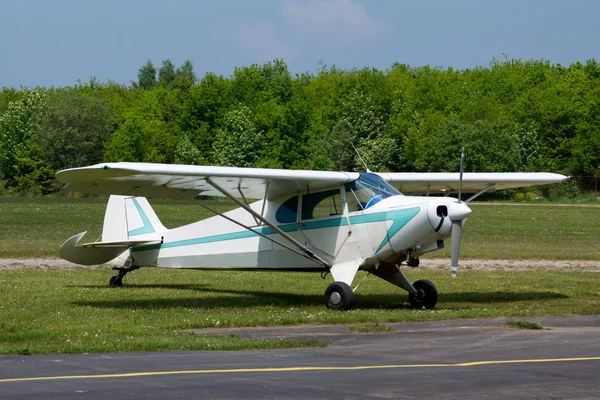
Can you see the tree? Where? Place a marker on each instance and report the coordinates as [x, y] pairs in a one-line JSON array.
[[360, 126], [141, 139], [147, 76], [187, 153], [33, 175], [75, 128], [185, 76], [276, 72], [490, 147], [18, 124], [166, 74], [237, 141], [378, 153]]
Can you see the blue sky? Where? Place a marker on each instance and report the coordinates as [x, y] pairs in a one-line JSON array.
[[55, 43]]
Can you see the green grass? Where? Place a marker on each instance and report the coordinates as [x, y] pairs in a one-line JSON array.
[[74, 311], [371, 328], [525, 325]]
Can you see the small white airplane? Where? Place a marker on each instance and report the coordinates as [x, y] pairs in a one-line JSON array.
[[329, 222]]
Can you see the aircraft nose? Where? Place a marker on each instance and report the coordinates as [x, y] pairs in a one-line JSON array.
[[443, 211], [459, 211]]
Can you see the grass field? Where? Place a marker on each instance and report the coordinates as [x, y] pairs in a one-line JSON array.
[[73, 310]]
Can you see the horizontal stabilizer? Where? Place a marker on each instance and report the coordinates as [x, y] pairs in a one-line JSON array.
[[97, 252], [123, 244]]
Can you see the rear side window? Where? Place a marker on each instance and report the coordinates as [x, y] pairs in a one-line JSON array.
[[322, 204], [288, 211]]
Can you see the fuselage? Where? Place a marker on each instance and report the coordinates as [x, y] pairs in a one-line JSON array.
[[382, 232]]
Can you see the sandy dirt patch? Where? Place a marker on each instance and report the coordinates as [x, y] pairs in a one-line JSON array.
[[36, 263], [514, 265]]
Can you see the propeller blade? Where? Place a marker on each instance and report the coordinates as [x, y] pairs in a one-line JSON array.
[[458, 212], [455, 251], [460, 179]]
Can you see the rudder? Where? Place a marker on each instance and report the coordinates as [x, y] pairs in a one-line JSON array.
[[129, 217]]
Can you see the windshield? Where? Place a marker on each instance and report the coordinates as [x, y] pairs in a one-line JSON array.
[[367, 190]]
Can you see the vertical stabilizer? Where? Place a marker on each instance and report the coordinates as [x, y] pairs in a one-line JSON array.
[[142, 221], [129, 218], [115, 220]]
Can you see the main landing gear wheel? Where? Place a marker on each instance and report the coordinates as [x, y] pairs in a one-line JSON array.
[[427, 297], [115, 281], [339, 296]]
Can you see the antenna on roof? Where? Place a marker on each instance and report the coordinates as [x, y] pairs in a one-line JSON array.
[[359, 157]]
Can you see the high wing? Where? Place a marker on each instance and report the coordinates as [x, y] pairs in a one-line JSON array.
[[447, 182], [167, 180]]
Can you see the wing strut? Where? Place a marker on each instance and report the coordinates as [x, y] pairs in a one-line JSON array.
[[482, 191], [290, 239], [239, 188]]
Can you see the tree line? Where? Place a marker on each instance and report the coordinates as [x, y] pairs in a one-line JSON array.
[[512, 115]]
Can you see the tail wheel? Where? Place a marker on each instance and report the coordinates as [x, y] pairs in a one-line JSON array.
[[339, 296], [115, 281], [427, 296]]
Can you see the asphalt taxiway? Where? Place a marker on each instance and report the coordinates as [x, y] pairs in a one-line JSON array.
[[462, 359]]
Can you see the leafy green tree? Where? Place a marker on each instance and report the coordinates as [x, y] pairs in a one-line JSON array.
[[359, 127], [491, 147], [166, 74], [185, 76], [529, 147], [7, 96], [187, 153], [140, 140], [18, 124], [237, 140], [147, 76], [277, 74], [202, 109], [74, 129], [378, 152], [33, 175], [144, 135]]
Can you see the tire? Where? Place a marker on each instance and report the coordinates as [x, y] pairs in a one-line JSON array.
[[339, 296], [115, 281], [429, 295]]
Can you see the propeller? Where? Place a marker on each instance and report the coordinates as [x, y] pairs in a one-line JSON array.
[[458, 212]]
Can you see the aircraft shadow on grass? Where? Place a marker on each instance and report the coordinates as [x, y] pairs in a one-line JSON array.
[[231, 298]]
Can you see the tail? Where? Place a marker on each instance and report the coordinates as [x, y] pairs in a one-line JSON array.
[[128, 222], [130, 218]]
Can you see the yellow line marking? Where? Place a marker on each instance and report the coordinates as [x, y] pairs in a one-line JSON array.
[[295, 369]]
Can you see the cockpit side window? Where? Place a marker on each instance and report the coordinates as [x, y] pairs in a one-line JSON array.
[[288, 211], [322, 204], [368, 190]]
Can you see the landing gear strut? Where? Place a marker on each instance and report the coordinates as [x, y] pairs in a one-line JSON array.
[[117, 280], [339, 296]]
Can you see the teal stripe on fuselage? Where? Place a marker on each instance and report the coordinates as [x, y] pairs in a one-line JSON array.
[[399, 219]]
